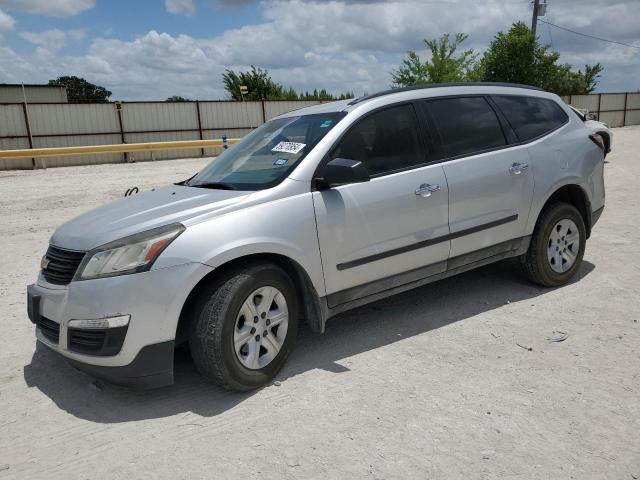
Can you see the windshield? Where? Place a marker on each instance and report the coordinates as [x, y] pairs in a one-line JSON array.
[[267, 155]]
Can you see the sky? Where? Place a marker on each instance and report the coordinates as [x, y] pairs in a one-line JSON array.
[[153, 49]]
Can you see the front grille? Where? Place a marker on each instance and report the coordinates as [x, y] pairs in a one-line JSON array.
[[62, 265], [100, 342], [49, 329], [86, 341]]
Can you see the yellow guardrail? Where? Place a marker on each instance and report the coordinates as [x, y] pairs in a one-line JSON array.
[[117, 148]]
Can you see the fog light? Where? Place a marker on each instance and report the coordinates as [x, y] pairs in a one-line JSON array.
[[109, 322]]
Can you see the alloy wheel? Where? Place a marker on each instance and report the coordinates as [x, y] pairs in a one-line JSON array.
[[261, 327], [563, 245]]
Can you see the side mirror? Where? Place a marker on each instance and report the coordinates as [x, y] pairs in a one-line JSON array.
[[341, 171], [589, 116]]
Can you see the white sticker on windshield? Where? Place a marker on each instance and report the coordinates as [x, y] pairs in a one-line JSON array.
[[288, 147]]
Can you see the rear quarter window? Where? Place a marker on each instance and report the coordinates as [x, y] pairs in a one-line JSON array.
[[531, 117]]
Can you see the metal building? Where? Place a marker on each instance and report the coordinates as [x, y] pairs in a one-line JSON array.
[[13, 93]]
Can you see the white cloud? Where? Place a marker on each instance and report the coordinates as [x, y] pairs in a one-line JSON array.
[[180, 7], [6, 21], [335, 45], [50, 38], [54, 39], [54, 8]]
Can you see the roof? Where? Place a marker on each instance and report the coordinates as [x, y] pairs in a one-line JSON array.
[[442, 85], [411, 93]]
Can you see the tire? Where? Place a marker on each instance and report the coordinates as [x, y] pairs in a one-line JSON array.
[[222, 318], [552, 268]]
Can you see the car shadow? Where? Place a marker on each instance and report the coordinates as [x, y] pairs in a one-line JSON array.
[[378, 324]]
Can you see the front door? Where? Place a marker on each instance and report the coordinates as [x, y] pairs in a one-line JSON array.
[[392, 229]]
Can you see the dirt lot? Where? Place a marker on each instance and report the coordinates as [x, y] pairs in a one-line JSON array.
[[428, 384]]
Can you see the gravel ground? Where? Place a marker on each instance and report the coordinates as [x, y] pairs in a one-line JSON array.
[[428, 384]]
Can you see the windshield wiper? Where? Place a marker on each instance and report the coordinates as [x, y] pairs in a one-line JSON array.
[[185, 182], [216, 185]]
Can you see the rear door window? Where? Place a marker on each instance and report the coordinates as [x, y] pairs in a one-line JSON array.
[[385, 141], [531, 117], [467, 125]]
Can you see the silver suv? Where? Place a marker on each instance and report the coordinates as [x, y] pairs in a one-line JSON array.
[[318, 211]]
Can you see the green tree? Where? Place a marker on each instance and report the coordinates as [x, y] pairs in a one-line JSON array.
[[260, 86], [591, 75], [79, 90], [445, 64], [177, 98], [324, 95], [346, 96], [518, 57], [257, 81]]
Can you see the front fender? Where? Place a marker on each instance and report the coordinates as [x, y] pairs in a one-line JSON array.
[[284, 227]]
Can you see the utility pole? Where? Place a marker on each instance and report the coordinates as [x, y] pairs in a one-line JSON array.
[[539, 10], [534, 17]]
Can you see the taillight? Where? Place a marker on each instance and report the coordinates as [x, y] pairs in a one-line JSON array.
[[597, 139]]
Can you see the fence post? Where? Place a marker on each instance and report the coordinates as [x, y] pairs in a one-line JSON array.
[[25, 112], [119, 112], [599, 102], [624, 114], [570, 99], [264, 113], [199, 124]]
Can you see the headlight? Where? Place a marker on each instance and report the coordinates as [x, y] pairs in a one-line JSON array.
[[128, 255]]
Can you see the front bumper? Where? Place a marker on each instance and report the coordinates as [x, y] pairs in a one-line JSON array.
[[152, 368], [154, 301]]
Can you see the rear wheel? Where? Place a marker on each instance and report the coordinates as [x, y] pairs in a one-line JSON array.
[[557, 246], [245, 327]]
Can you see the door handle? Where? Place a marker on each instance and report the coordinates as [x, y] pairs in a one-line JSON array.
[[518, 168], [425, 190]]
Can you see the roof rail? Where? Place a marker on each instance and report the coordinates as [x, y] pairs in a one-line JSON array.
[[441, 85]]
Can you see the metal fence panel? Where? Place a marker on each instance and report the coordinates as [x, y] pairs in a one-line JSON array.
[[15, 163], [12, 121], [633, 100], [588, 102], [76, 141], [144, 117], [612, 101], [613, 119], [230, 115], [162, 137], [633, 117], [72, 119]]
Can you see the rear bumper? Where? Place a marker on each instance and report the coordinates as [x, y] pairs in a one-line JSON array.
[[595, 216]]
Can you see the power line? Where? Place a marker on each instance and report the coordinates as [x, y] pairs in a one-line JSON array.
[[589, 36]]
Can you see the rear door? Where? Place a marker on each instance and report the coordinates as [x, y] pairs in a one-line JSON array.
[[490, 182], [393, 229]]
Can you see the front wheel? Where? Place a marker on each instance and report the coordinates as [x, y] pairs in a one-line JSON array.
[[245, 326], [557, 246]]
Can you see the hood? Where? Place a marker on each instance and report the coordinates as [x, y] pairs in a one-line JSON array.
[[137, 213]]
